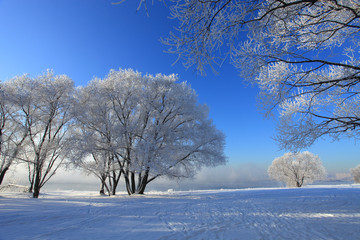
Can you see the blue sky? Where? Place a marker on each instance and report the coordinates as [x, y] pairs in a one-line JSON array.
[[87, 38]]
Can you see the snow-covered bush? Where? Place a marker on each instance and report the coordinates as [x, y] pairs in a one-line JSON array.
[[13, 188], [297, 169]]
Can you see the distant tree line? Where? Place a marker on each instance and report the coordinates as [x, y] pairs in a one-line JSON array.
[[127, 125]]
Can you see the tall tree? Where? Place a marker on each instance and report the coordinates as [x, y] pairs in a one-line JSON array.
[[125, 91], [147, 127], [303, 55], [96, 135], [176, 138], [45, 103]]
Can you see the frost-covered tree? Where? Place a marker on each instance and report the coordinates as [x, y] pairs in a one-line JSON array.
[[44, 104], [303, 54], [144, 127], [355, 172], [105, 119], [176, 137], [125, 90], [12, 133], [297, 169], [92, 135]]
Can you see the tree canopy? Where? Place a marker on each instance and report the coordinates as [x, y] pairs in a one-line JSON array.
[[297, 169], [139, 127], [143, 127], [302, 54], [40, 117]]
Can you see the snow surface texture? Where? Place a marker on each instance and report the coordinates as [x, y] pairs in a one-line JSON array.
[[307, 213]]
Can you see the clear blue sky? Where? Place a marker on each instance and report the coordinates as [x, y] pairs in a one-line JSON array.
[[87, 38]]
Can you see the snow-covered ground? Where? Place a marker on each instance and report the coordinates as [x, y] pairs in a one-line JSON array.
[[322, 212]]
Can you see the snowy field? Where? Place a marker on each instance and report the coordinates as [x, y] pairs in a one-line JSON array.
[[322, 212]]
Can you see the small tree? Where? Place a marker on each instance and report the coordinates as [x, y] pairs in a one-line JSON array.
[[297, 169], [355, 172]]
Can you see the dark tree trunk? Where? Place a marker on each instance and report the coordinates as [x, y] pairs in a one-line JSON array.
[[144, 182], [113, 191], [133, 184], [2, 174], [37, 185], [127, 183], [31, 178], [140, 187], [115, 184], [31, 187], [102, 188]]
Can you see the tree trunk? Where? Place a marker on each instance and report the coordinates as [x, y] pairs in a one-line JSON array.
[[127, 183], [37, 184], [144, 182], [31, 187], [133, 184], [102, 188], [31, 178], [130, 182], [2, 174], [115, 183]]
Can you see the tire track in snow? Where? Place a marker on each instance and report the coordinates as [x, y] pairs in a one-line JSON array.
[[254, 214], [88, 214], [259, 215]]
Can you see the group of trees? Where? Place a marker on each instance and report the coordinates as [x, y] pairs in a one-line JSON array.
[[130, 125], [141, 128], [302, 54]]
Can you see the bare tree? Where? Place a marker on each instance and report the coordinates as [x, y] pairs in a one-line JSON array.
[[355, 172], [297, 169]]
